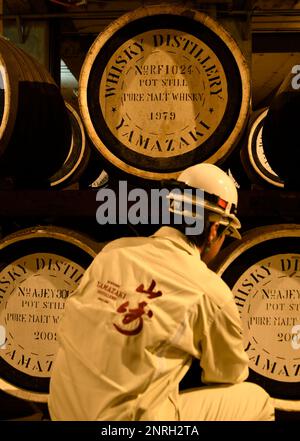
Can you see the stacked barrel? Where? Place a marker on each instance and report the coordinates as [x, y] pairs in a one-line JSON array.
[[280, 132], [263, 272]]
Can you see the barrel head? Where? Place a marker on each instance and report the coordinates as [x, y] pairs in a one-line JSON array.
[[263, 271], [163, 88]]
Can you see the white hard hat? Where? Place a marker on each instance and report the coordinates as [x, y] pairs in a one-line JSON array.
[[220, 194]]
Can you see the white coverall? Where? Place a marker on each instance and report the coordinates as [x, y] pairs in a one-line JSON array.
[[144, 308]]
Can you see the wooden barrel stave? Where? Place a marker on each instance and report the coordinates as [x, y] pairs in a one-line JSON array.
[[281, 135], [94, 174], [10, 94], [253, 155]]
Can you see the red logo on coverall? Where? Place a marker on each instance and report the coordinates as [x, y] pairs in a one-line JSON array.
[[136, 314]]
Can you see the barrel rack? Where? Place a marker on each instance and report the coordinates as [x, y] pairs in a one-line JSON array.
[[76, 208]]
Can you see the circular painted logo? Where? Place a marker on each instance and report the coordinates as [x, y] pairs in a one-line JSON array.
[[163, 93], [162, 88], [33, 291], [39, 269], [263, 272]]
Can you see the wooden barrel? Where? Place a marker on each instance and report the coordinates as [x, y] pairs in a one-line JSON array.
[[78, 155], [253, 156], [280, 133], [94, 175], [263, 271], [40, 267], [233, 166], [34, 131], [161, 88]]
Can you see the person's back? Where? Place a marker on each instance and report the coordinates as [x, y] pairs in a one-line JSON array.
[[129, 339]]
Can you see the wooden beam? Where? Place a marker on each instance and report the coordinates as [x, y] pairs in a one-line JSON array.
[[1, 19]]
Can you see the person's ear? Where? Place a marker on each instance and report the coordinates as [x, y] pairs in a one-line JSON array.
[[213, 232]]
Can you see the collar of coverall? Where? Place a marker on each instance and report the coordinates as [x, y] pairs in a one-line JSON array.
[[177, 238]]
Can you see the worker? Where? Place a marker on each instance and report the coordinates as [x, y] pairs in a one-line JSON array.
[[145, 309]]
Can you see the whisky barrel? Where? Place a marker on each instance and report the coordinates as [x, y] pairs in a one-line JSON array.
[[161, 88], [280, 133], [94, 174], [34, 127], [39, 269], [263, 271], [253, 155], [78, 154]]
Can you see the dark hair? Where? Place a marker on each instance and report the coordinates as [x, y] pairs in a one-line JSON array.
[[193, 239]]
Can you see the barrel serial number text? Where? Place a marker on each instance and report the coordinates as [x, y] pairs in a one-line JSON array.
[[162, 116], [164, 69]]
